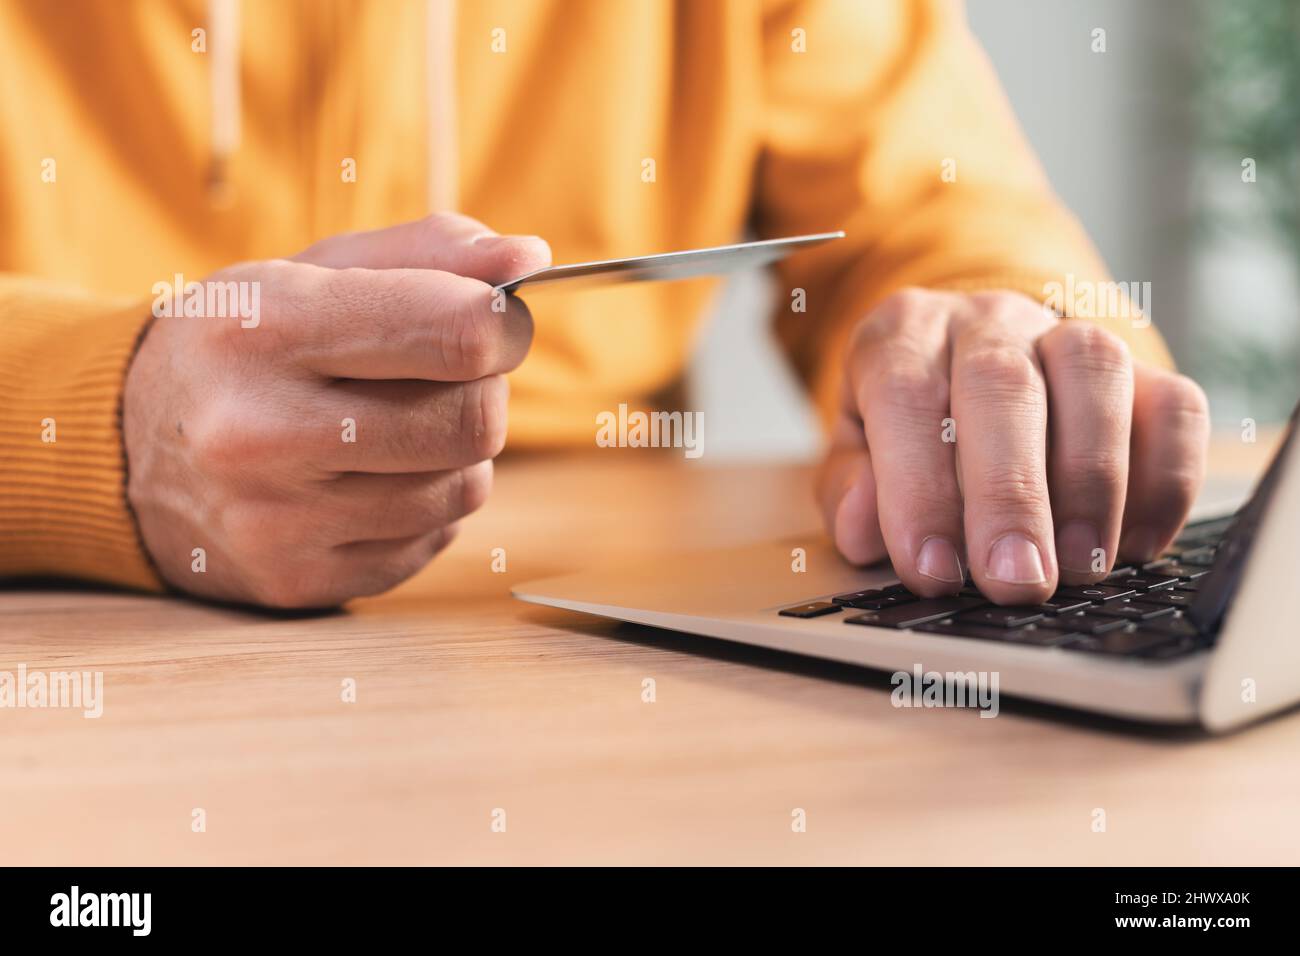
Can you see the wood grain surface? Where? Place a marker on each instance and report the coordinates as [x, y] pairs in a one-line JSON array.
[[468, 702]]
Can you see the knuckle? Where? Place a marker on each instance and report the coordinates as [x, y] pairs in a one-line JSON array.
[[932, 502], [293, 301], [290, 290], [241, 525], [440, 222], [859, 553], [223, 443], [327, 250], [1098, 469], [1090, 348], [912, 392], [224, 328], [392, 570], [907, 299], [899, 311], [1180, 398], [483, 417], [467, 342], [1013, 488], [1000, 302], [286, 278], [475, 487], [1001, 368], [290, 587], [279, 577], [1180, 487]]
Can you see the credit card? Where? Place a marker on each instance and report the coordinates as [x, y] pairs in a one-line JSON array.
[[686, 264]]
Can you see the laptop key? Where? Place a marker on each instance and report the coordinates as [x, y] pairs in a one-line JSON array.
[[1183, 636], [1200, 558], [950, 627], [1060, 604], [1185, 571], [1177, 626], [1173, 598], [815, 609], [1150, 582], [1204, 532], [857, 596], [1043, 637], [1185, 639], [1084, 622], [1119, 642], [915, 612], [955, 627], [1098, 593], [996, 616], [881, 601], [1134, 610]]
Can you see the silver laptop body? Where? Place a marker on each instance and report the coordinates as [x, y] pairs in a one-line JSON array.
[[1246, 667]]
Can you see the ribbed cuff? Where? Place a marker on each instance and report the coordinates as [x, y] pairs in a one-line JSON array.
[[63, 506]]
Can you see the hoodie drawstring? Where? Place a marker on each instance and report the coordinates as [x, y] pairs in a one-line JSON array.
[[440, 99], [223, 78], [440, 68]]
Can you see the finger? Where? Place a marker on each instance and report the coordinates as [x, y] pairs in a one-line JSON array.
[[363, 568], [999, 403], [1171, 429], [406, 427], [395, 323], [1090, 400], [370, 507], [846, 489], [349, 570], [900, 380], [448, 242], [846, 493]]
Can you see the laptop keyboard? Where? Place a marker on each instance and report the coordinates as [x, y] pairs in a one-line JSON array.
[[1137, 611]]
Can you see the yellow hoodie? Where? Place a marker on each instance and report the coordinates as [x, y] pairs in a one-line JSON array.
[[145, 138]]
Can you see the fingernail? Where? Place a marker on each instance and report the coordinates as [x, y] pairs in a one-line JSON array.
[[938, 559], [1140, 543], [1078, 548], [1014, 559]]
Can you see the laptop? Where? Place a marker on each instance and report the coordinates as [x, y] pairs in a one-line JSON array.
[[1208, 634]]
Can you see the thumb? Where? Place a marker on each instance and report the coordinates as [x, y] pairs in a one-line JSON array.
[[448, 242]]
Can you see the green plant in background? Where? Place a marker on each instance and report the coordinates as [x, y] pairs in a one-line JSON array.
[[1249, 109]]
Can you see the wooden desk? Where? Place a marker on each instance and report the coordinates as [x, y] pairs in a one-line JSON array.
[[468, 701]]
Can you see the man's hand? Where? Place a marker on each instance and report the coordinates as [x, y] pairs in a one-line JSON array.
[[328, 450], [979, 433]]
